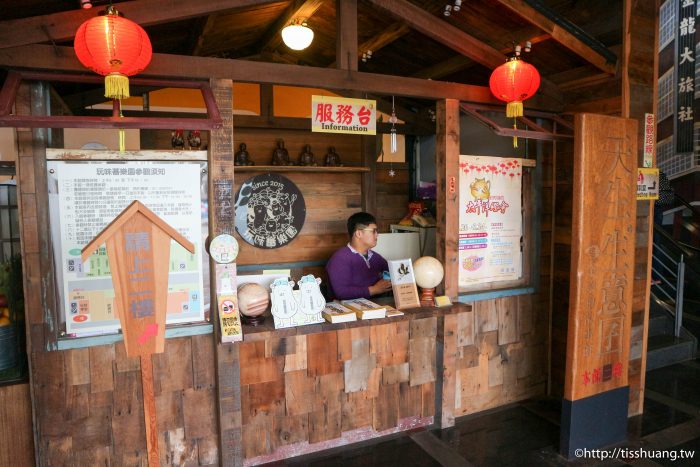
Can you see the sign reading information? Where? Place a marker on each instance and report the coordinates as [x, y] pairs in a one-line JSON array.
[[86, 196], [341, 115], [490, 219]]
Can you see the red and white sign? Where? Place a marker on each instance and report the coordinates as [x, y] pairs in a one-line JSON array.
[[340, 115], [649, 140]]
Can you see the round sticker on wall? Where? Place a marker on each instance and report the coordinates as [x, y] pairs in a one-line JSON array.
[[223, 249], [270, 211]]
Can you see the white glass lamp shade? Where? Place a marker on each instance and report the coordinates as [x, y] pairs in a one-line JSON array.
[[428, 271], [297, 36]]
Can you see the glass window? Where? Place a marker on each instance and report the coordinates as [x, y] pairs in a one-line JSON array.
[[667, 22], [666, 94]]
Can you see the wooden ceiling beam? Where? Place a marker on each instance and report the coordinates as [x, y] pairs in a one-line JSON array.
[[442, 32], [459, 62], [271, 39], [560, 34], [62, 59], [346, 34], [62, 26], [202, 30], [381, 40]]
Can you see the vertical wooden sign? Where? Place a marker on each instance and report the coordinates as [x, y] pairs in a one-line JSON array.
[[602, 274], [138, 248]]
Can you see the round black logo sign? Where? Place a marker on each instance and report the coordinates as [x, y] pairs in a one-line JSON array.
[[270, 211]]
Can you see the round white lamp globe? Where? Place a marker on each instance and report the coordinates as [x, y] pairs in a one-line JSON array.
[[429, 272]]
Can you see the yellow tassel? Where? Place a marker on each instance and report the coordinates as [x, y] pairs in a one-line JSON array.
[[514, 109], [117, 86], [515, 127], [122, 140]]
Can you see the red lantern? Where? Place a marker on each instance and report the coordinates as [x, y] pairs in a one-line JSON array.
[[114, 47], [513, 82]]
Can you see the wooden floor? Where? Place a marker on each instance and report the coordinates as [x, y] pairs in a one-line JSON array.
[[527, 434]]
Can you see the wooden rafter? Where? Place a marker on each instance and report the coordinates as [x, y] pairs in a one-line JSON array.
[[381, 40], [62, 26], [454, 38], [559, 34], [346, 37], [460, 62], [442, 32], [203, 29], [299, 9]]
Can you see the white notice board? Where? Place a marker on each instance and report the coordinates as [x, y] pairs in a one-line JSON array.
[[85, 196]]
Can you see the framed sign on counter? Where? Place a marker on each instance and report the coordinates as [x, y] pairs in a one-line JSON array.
[[85, 196]]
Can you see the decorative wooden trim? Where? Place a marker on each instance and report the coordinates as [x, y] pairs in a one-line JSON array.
[[9, 91], [298, 168], [447, 174], [97, 155]]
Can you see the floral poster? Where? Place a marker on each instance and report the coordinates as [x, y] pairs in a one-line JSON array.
[[490, 219]]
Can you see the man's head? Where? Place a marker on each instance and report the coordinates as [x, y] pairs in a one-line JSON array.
[[362, 228]]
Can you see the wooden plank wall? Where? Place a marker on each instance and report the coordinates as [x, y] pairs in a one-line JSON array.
[[90, 410], [16, 435], [331, 388], [499, 351], [392, 194]]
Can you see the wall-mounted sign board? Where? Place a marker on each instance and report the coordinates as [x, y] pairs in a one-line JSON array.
[[85, 196]]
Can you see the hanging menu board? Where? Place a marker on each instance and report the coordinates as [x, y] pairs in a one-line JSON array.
[[490, 219], [86, 196]]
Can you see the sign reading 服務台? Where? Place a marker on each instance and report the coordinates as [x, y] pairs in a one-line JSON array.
[[341, 115]]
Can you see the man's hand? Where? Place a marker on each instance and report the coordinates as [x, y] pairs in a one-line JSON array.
[[381, 286]]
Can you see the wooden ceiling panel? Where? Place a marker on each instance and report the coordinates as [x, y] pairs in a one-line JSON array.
[[240, 30]]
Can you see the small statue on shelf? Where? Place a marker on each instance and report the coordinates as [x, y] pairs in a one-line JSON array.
[[332, 158], [242, 156], [194, 139], [280, 156], [177, 139], [306, 158]]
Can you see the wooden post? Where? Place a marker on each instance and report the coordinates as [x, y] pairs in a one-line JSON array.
[[221, 221], [447, 174], [596, 392]]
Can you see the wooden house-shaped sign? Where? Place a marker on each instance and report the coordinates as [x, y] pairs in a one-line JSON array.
[[138, 248]]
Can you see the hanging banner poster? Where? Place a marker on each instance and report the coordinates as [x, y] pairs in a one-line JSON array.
[[490, 219], [86, 196], [340, 115]]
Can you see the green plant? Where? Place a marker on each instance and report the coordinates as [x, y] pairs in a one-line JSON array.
[[11, 286]]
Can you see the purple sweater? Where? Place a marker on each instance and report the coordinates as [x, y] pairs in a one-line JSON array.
[[350, 274]]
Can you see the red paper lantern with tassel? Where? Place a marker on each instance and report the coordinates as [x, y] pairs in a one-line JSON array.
[[513, 82], [114, 47]]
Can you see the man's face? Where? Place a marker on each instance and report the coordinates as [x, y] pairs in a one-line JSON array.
[[368, 235]]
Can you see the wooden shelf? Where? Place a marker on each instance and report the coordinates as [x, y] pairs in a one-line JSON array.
[[297, 168]]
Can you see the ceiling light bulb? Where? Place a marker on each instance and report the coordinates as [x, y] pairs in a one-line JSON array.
[[85, 4], [448, 10], [458, 5], [297, 36]]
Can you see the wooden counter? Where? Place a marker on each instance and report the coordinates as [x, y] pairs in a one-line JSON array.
[[315, 387]]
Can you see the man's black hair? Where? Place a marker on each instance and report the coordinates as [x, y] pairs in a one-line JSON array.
[[361, 220]]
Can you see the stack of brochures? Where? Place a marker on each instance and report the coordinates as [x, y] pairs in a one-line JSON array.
[[365, 309], [334, 312]]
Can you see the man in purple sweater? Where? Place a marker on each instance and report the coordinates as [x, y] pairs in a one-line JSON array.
[[355, 270]]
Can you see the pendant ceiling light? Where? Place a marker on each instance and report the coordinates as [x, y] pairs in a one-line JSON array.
[[115, 47], [297, 36], [513, 82]]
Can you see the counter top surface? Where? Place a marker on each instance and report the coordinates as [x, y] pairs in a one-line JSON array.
[[267, 329]]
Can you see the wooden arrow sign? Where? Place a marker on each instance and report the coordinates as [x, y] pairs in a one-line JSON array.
[[138, 248]]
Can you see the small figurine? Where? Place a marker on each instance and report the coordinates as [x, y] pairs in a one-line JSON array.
[[307, 157], [242, 156], [332, 158], [280, 156], [177, 139], [194, 139]]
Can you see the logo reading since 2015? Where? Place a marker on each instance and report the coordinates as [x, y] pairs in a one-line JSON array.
[[270, 211]]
